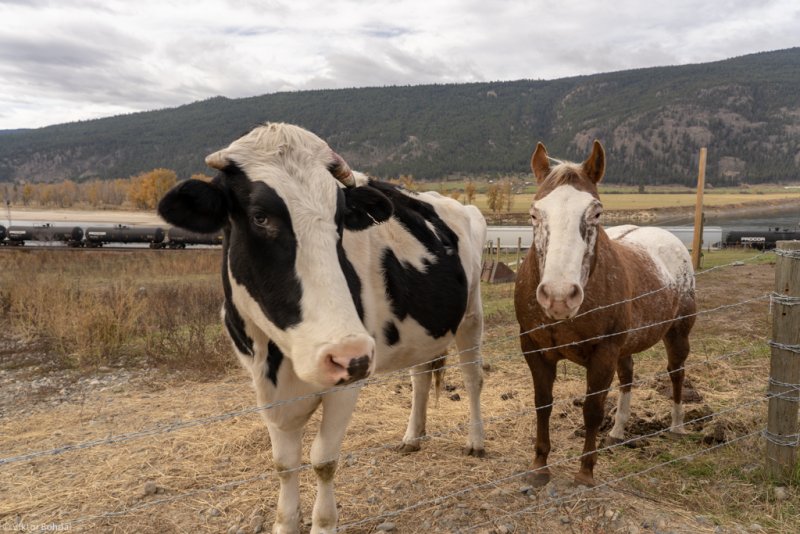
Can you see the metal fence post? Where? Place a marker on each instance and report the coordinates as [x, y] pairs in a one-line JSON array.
[[784, 374]]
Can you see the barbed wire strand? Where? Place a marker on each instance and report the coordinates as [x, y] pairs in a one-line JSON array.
[[442, 498], [578, 491], [180, 425], [264, 476]]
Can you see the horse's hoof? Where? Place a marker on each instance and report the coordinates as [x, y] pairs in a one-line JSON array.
[[537, 479], [407, 448], [610, 441], [474, 451], [582, 479], [677, 434]]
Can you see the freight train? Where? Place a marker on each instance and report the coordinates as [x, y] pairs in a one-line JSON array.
[[96, 236], [760, 239], [174, 238]]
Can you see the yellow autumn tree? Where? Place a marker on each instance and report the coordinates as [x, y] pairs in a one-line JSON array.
[[469, 190], [147, 188]]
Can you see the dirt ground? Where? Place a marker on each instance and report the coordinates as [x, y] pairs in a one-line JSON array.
[[166, 461]]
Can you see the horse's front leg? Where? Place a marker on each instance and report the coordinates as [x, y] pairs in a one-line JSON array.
[[543, 371], [337, 408], [599, 374]]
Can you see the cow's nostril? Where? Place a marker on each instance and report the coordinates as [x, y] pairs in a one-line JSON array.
[[358, 368]]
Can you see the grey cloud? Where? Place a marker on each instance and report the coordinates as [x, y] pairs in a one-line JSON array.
[[27, 52], [250, 31], [389, 67], [385, 32]]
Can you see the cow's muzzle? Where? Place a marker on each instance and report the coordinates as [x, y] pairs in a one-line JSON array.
[[348, 361]]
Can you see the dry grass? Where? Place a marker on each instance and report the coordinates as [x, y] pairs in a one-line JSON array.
[[439, 489], [98, 308]]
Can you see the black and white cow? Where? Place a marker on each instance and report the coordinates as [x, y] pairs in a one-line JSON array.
[[331, 277]]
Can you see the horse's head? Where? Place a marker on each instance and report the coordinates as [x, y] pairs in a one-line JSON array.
[[565, 214]]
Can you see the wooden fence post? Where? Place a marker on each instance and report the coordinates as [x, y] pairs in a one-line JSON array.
[[697, 241], [784, 373]]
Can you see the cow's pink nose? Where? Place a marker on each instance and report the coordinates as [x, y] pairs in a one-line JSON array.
[[349, 360]]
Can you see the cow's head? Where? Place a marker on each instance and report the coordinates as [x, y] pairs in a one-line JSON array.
[[284, 198]]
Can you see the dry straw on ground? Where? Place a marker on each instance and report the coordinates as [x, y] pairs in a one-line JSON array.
[[161, 483]]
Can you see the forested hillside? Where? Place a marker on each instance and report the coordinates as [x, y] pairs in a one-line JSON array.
[[652, 121]]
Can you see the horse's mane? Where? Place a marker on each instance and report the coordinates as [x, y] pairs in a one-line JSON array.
[[567, 173]]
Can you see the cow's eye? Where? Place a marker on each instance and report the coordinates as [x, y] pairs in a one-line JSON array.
[[261, 220]]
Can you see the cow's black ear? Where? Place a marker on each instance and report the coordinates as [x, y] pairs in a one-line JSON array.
[[365, 206], [195, 205]]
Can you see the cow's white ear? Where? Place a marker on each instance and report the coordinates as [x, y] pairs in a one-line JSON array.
[[218, 160]]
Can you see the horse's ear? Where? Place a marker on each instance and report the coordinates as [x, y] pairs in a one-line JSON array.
[[540, 164], [595, 165]]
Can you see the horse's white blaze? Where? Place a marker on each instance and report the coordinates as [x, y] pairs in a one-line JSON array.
[[563, 213]]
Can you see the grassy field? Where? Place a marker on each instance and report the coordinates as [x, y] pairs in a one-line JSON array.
[[638, 201], [87, 315]]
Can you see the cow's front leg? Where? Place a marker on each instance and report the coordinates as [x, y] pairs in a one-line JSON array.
[[286, 451], [420, 391], [337, 408]]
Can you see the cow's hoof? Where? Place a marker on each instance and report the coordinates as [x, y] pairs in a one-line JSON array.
[[407, 448], [537, 479], [474, 451], [582, 479]]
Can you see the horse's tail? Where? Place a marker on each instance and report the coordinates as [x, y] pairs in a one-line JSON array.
[[438, 370]]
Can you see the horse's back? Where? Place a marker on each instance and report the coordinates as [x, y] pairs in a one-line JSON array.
[[666, 251]]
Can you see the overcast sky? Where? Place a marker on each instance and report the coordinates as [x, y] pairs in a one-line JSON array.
[[67, 60]]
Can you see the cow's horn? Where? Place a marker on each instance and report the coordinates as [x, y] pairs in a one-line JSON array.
[[218, 160], [341, 170]]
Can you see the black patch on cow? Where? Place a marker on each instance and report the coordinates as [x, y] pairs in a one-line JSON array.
[[262, 248], [443, 283], [365, 206], [235, 326], [233, 320], [274, 359], [350, 275], [390, 333]]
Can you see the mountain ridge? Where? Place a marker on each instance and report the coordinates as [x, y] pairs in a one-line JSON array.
[[651, 120]]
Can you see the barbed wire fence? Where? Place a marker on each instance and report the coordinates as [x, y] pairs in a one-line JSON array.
[[787, 389]]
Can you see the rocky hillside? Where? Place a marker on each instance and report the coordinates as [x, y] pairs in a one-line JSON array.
[[746, 110]]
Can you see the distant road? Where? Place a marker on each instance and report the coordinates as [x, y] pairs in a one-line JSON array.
[[509, 235]]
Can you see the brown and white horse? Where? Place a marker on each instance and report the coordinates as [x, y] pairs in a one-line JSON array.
[[575, 266]]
